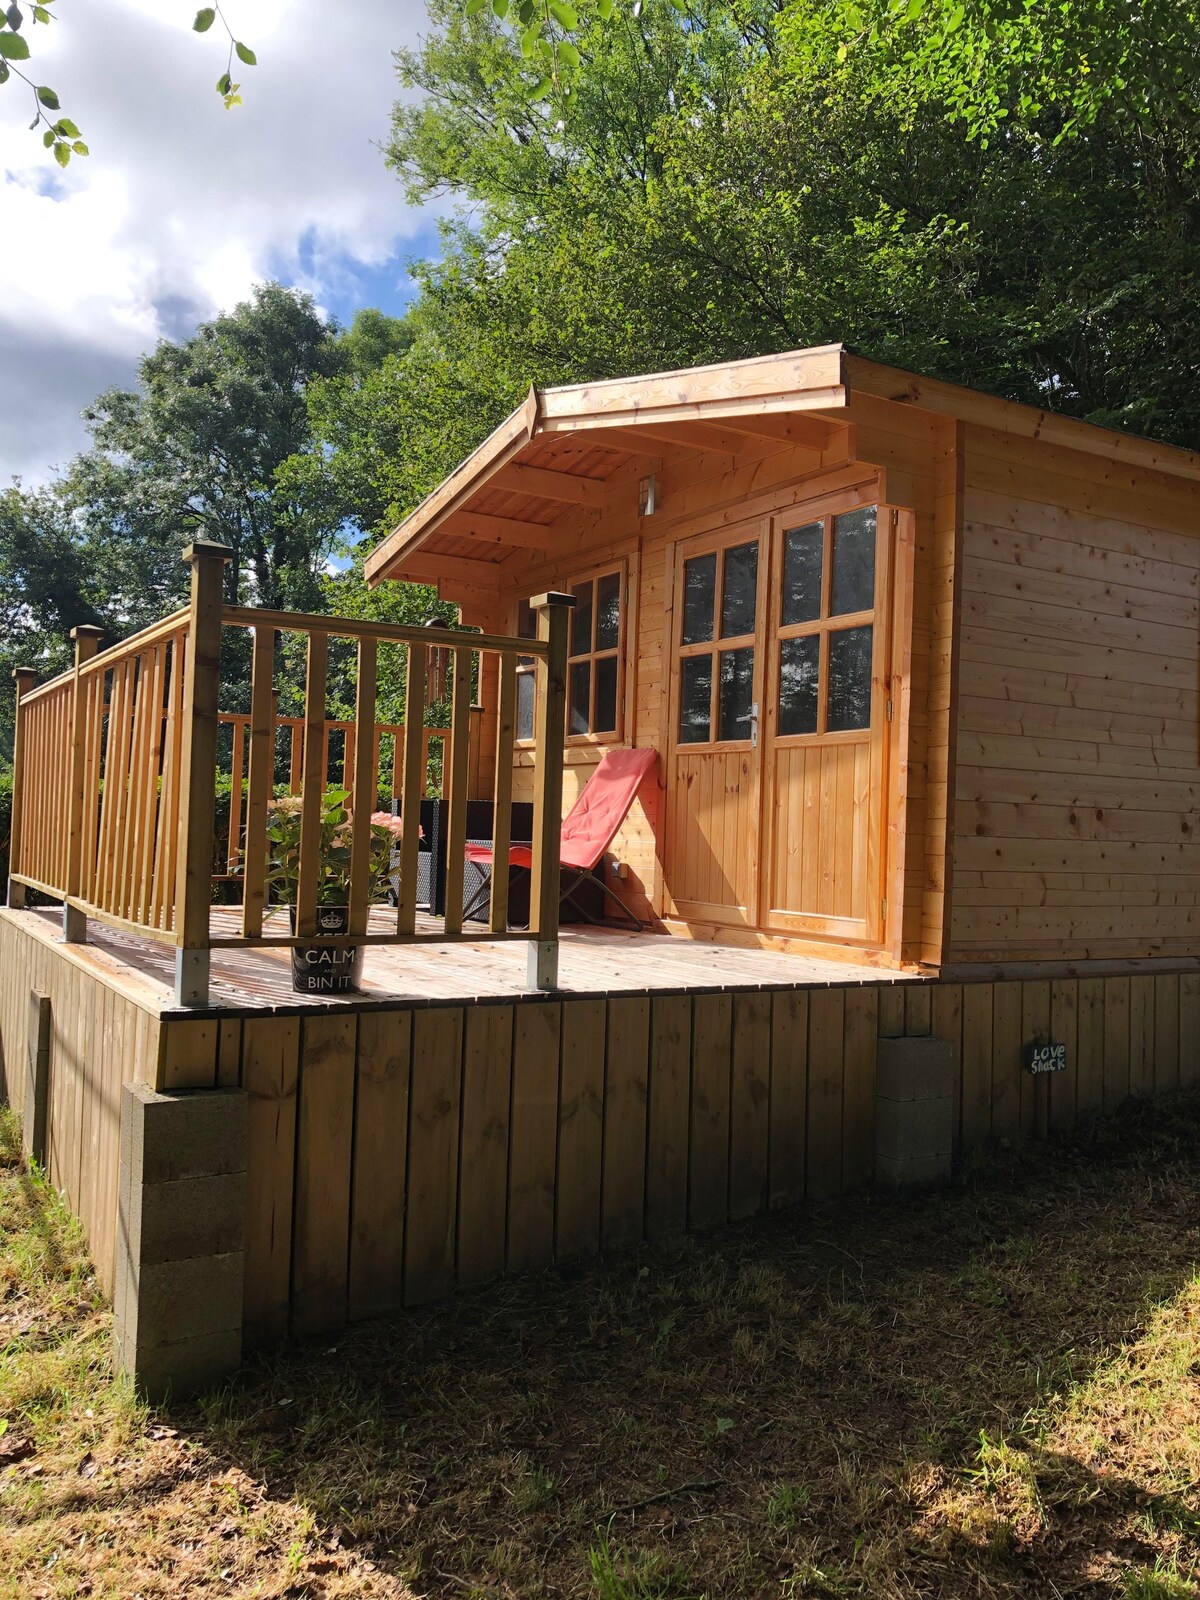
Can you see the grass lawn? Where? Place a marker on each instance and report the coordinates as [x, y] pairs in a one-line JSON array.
[[991, 1391]]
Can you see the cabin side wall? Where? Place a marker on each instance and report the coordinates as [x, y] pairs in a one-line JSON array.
[[1077, 781], [890, 452]]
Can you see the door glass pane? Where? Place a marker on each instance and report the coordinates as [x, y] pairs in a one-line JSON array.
[[799, 664], [853, 562], [695, 699], [737, 693], [849, 679], [581, 620], [803, 552], [606, 695], [525, 693], [608, 611], [740, 591], [579, 718], [699, 596]]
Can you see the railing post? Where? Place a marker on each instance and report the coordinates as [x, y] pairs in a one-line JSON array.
[[550, 731], [87, 641], [24, 678], [198, 774]]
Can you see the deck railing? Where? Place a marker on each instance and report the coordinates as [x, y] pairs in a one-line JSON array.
[[115, 765]]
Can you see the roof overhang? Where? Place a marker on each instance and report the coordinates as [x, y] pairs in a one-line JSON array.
[[574, 446]]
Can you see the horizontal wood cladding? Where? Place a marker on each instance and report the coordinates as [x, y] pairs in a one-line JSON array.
[[100, 1039], [397, 1155], [1077, 756]]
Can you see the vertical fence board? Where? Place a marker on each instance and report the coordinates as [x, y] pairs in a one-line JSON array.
[[433, 1154], [708, 1179], [1035, 1091], [270, 1076], [826, 1036], [1006, 1060], [789, 1096], [320, 1261], [626, 1079], [1166, 1031], [380, 1162], [670, 1093], [1116, 1041], [534, 1137], [1064, 1029], [580, 1129], [483, 1188], [858, 1098], [1189, 1030], [1141, 1035], [750, 1105]]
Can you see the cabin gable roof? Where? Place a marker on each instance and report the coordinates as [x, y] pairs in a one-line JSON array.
[[579, 445]]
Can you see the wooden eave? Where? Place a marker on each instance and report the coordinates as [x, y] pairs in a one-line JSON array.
[[571, 447]]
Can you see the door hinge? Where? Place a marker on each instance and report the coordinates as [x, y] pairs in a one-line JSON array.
[[887, 709], [883, 909]]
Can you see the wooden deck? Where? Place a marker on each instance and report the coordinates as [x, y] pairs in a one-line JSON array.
[[593, 962]]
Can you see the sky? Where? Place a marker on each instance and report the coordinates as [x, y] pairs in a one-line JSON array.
[[182, 206]]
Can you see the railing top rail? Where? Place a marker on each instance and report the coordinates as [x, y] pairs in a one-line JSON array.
[[388, 633], [176, 623], [64, 680]]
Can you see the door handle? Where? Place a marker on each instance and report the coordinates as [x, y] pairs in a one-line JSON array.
[[751, 717]]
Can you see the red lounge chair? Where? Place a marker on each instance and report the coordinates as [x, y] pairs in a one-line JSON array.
[[587, 831]]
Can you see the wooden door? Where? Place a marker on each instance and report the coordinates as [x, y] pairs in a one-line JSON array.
[[824, 720], [714, 790]]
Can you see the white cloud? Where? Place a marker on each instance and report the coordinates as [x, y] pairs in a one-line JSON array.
[[182, 206]]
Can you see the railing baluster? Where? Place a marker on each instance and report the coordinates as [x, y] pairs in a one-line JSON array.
[[362, 785], [506, 728], [456, 756], [262, 775], [550, 726], [412, 789], [313, 783], [237, 759], [150, 779], [24, 679]]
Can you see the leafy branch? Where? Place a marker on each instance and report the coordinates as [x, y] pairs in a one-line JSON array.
[[543, 26], [61, 135], [226, 88]]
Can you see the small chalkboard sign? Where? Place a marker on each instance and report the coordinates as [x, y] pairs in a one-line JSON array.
[[1041, 1058]]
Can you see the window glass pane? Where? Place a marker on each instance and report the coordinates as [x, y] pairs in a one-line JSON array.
[[581, 620], [740, 591], [803, 553], [606, 695], [608, 611], [849, 679], [853, 562], [578, 719], [737, 693], [799, 663], [699, 594], [526, 625], [695, 699], [525, 705]]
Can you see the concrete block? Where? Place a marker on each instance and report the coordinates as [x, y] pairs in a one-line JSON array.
[[914, 1128], [915, 1069], [176, 1371], [180, 1267], [189, 1217], [913, 1172]]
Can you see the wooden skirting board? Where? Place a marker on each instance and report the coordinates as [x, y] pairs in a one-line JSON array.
[[399, 1152]]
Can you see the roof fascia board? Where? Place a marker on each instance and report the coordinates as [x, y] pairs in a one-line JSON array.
[[1011, 416]]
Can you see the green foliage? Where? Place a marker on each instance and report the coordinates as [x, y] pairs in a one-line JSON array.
[[5, 820], [334, 851]]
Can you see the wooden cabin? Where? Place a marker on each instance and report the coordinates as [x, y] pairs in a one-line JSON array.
[[922, 671], [921, 666]]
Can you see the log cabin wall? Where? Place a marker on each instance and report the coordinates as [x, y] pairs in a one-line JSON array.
[[883, 451], [1077, 785]]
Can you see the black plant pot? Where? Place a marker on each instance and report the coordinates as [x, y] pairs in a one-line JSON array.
[[323, 968]]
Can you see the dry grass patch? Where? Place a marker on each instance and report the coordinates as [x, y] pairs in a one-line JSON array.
[[989, 1392]]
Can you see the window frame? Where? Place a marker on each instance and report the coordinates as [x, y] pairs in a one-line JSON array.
[[526, 666]]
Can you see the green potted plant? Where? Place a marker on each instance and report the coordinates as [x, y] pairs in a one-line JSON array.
[[322, 967]]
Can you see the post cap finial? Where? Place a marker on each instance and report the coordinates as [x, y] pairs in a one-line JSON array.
[[551, 598], [206, 548], [88, 630]]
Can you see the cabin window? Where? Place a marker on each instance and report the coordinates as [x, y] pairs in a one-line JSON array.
[[826, 624], [593, 659], [720, 606]]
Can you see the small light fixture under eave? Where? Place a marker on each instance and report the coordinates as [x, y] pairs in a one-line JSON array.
[[648, 495]]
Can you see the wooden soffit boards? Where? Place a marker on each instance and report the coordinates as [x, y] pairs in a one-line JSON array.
[[718, 409]]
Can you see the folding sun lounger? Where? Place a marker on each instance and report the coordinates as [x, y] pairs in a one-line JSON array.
[[587, 831]]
